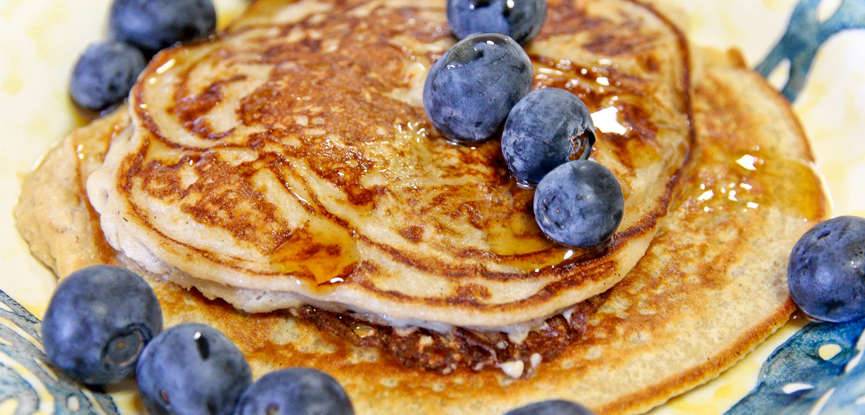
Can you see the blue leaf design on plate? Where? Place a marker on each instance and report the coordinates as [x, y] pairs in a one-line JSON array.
[[796, 380], [24, 370], [805, 34]]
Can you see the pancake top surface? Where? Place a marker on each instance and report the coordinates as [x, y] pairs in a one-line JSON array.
[[292, 154]]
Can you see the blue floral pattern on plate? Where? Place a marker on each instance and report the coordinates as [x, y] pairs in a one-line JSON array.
[[29, 370], [805, 34], [819, 370]]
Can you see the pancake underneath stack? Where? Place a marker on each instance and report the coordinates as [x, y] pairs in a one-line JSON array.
[[301, 127]]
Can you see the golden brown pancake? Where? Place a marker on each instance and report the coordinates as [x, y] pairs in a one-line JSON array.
[[289, 161], [711, 286]]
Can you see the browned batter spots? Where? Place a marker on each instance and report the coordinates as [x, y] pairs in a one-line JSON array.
[[460, 348], [412, 233], [221, 199], [343, 82], [288, 129], [190, 108], [469, 292], [567, 17]]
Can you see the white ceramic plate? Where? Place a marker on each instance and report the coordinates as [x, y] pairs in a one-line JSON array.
[[40, 40]]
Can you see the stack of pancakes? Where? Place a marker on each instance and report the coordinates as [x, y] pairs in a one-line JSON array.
[[282, 183]]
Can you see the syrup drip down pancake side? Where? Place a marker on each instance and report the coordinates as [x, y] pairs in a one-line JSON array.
[[289, 161]]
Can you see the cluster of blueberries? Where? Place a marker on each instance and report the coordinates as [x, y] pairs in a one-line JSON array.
[[107, 70], [104, 324], [482, 86]]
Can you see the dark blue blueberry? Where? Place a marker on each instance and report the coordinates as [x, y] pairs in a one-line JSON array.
[[98, 322], [826, 272], [104, 74], [580, 204], [552, 407], [295, 391], [192, 369], [153, 25], [519, 19], [470, 90], [543, 131]]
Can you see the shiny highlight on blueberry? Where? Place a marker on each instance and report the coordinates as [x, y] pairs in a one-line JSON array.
[[192, 369], [98, 322], [546, 129], [470, 90]]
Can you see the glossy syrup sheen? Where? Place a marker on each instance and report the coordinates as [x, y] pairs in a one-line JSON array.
[[710, 286], [295, 145]]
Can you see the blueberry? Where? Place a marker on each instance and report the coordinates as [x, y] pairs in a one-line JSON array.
[[552, 407], [826, 272], [580, 204], [192, 369], [543, 131], [519, 19], [98, 322], [104, 74], [470, 90], [153, 25], [295, 391]]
